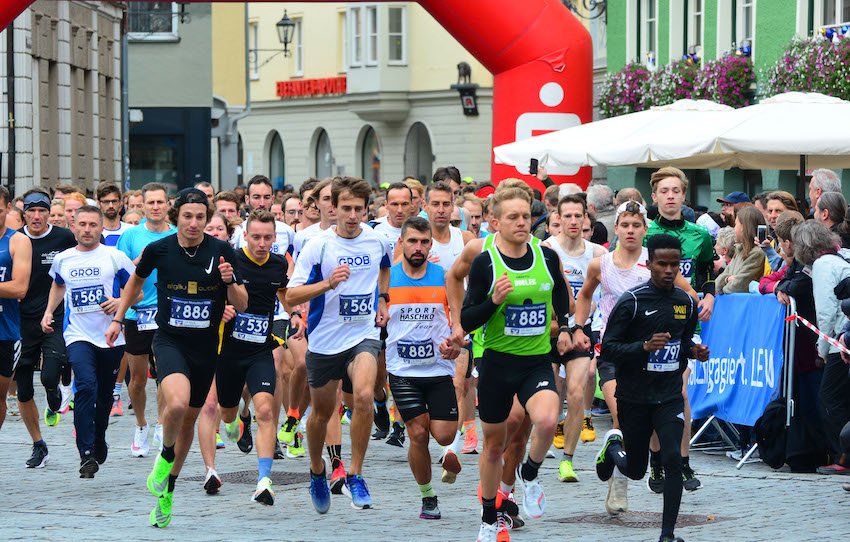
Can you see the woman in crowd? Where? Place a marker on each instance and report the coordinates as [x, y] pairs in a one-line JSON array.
[[748, 263], [724, 246], [57, 214], [831, 211], [132, 217]]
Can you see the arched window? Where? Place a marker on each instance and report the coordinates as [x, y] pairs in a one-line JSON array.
[[276, 163], [370, 157], [418, 156], [324, 156]]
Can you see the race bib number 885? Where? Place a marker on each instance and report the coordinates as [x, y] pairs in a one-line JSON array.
[[525, 320]]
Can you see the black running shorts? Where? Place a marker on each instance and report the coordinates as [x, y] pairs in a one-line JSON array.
[[139, 343], [10, 351], [232, 374], [193, 358], [415, 396], [502, 376]]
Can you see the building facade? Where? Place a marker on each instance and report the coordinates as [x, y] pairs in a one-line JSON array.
[[67, 95], [660, 31]]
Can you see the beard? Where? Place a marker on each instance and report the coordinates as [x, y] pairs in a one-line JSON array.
[[417, 260]]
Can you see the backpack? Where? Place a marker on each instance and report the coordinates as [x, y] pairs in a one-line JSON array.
[[771, 433]]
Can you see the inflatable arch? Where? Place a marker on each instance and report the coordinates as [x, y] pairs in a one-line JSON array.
[[540, 56]]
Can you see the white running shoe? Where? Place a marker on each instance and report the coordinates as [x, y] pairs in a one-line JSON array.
[[157, 436], [533, 498], [617, 500], [487, 532], [140, 446]]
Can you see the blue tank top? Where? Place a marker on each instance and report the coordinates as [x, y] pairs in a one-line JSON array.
[[10, 313]]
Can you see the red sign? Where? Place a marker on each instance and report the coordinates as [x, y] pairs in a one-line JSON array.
[[311, 87]]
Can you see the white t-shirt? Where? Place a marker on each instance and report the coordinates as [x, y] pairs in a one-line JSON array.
[[389, 231], [284, 238], [301, 238], [341, 318], [110, 237], [88, 277]]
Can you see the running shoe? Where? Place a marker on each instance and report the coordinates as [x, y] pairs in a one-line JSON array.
[[219, 444], [12, 405], [39, 457], [157, 436], [470, 440], [611, 455], [655, 481], [246, 441], [67, 396], [835, 468], [264, 494], [382, 422], [129, 404], [88, 467], [617, 500], [451, 466], [670, 539], [429, 510], [588, 433], [319, 493], [101, 451], [212, 482], [396, 437], [286, 434], [345, 416], [140, 446], [158, 478], [338, 479], [355, 487], [495, 532], [278, 451], [117, 407], [558, 440], [689, 480], [533, 498], [161, 514], [297, 448], [566, 472], [51, 418], [234, 429]]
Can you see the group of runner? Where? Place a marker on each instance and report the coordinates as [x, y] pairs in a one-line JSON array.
[[330, 318]]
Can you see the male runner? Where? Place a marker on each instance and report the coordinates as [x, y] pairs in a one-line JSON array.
[[513, 288], [195, 277], [419, 354], [140, 322], [344, 341], [89, 278], [649, 339], [668, 192], [109, 200], [47, 241], [575, 254], [474, 210], [15, 267], [246, 351]]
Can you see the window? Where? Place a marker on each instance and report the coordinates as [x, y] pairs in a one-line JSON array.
[[396, 34], [342, 52], [254, 56], [695, 23], [356, 34], [152, 21], [418, 156], [648, 35], [832, 12], [598, 36], [324, 156], [371, 35], [276, 163], [299, 49], [746, 21], [370, 157]]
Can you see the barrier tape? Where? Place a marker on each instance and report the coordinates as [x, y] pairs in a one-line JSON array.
[[834, 342]]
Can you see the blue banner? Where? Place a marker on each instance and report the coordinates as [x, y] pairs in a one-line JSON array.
[[744, 370]]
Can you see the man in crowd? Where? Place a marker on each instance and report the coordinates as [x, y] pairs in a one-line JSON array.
[[109, 200], [823, 180]]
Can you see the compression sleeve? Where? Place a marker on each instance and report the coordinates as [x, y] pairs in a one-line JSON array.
[[478, 306]]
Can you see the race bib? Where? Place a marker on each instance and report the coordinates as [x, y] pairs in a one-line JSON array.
[[252, 328], [575, 285], [666, 359], [416, 352], [355, 308], [146, 319], [686, 267], [190, 313], [86, 299], [525, 320]]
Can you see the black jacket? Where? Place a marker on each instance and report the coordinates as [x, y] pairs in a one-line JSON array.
[[642, 377]]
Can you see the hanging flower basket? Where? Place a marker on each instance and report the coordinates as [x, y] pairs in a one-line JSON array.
[[812, 65]]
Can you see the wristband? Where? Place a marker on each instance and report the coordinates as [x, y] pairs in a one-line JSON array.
[[385, 297], [576, 327], [565, 329], [118, 321], [294, 314]]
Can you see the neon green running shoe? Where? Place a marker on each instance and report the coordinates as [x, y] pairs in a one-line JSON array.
[[286, 434], [51, 418], [219, 444], [566, 472], [161, 514], [234, 429], [296, 449], [158, 478]]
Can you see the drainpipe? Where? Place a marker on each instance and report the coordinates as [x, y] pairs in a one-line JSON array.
[[125, 106], [232, 134], [10, 100]]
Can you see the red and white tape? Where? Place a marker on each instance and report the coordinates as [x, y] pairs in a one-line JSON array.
[[834, 342]]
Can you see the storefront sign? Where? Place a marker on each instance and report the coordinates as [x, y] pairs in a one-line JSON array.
[[330, 86]]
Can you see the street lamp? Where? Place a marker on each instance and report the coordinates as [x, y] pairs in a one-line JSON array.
[[285, 26]]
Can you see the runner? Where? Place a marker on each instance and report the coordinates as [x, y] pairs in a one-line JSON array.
[[47, 241], [109, 200], [419, 355], [15, 267], [140, 321], [344, 340], [246, 352], [513, 288], [195, 275], [89, 278], [668, 192], [649, 338], [575, 254]]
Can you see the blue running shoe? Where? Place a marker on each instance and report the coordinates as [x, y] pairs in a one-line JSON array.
[[355, 487], [320, 493]]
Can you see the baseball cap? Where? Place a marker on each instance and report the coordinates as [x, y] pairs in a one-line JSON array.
[[631, 206], [190, 195], [734, 197], [36, 199]]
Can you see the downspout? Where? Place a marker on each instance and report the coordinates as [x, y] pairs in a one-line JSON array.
[[232, 134], [10, 93], [125, 105]]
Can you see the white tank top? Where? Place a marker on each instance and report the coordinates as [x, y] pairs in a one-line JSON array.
[[575, 267], [616, 281], [448, 252]]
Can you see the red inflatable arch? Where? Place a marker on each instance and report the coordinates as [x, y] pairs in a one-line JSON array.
[[539, 54]]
